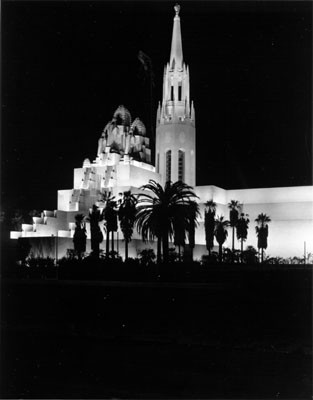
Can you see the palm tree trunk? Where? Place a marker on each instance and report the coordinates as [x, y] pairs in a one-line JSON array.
[[165, 246], [221, 252], [241, 250], [95, 251], [112, 242], [107, 244], [262, 255], [191, 253], [126, 249], [233, 244], [159, 250]]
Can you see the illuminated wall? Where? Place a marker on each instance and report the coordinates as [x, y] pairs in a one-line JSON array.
[[290, 210]]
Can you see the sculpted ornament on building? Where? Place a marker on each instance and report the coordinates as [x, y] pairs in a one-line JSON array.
[[123, 137]]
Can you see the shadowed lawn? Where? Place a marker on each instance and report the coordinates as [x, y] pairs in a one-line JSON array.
[[237, 337]]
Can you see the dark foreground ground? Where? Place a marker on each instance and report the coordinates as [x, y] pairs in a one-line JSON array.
[[239, 336]]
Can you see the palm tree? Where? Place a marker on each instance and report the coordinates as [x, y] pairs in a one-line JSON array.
[[221, 233], [157, 212], [233, 206], [209, 224], [242, 229], [95, 216], [80, 236], [179, 233], [192, 215], [262, 232], [127, 217], [110, 215], [185, 222]]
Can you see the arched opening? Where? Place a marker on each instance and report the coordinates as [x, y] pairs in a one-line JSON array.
[[172, 93], [179, 92]]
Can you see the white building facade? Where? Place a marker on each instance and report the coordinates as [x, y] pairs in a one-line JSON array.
[[123, 162]]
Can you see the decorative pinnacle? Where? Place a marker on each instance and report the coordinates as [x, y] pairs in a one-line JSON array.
[[177, 8]]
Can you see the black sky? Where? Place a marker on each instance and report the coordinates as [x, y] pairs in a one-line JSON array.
[[66, 66]]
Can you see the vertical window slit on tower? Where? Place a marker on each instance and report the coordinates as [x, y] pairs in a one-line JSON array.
[[179, 92], [181, 165], [168, 165], [172, 93]]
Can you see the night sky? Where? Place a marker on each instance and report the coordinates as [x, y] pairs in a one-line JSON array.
[[66, 66]]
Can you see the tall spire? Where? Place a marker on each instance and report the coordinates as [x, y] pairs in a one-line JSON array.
[[175, 144], [176, 58]]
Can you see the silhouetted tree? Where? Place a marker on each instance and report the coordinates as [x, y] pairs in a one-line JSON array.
[[110, 216], [127, 217], [242, 229], [157, 212], [262, 232], [95, 216], [233, 206], [209, 224], [221, 233], [192, 215], [179, 233], [23, 249], [146, 256], [80, 237], [250, 255]]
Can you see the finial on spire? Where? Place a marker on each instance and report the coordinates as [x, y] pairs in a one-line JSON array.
[[177, 9], [176, 58]]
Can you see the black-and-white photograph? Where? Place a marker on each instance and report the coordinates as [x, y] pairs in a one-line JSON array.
[[156, 200]]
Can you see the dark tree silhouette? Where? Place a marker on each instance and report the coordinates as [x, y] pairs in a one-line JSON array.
[[146, 257], [127, 217], [242, 229], [179, 233], [23, 249], [95, 216], [157, 212], [193, 214], [250, 255], [233, 206], [110, 216], [221, 234], [80, 237], [209, 224], [262, 232]]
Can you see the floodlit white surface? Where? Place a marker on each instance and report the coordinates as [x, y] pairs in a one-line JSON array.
[[64, 233], [272, 195], [27, 227], [15, 234]]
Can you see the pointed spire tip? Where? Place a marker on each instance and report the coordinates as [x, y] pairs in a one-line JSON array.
[[177, 9]]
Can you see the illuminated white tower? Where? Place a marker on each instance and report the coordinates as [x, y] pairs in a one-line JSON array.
[[175, 153]]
